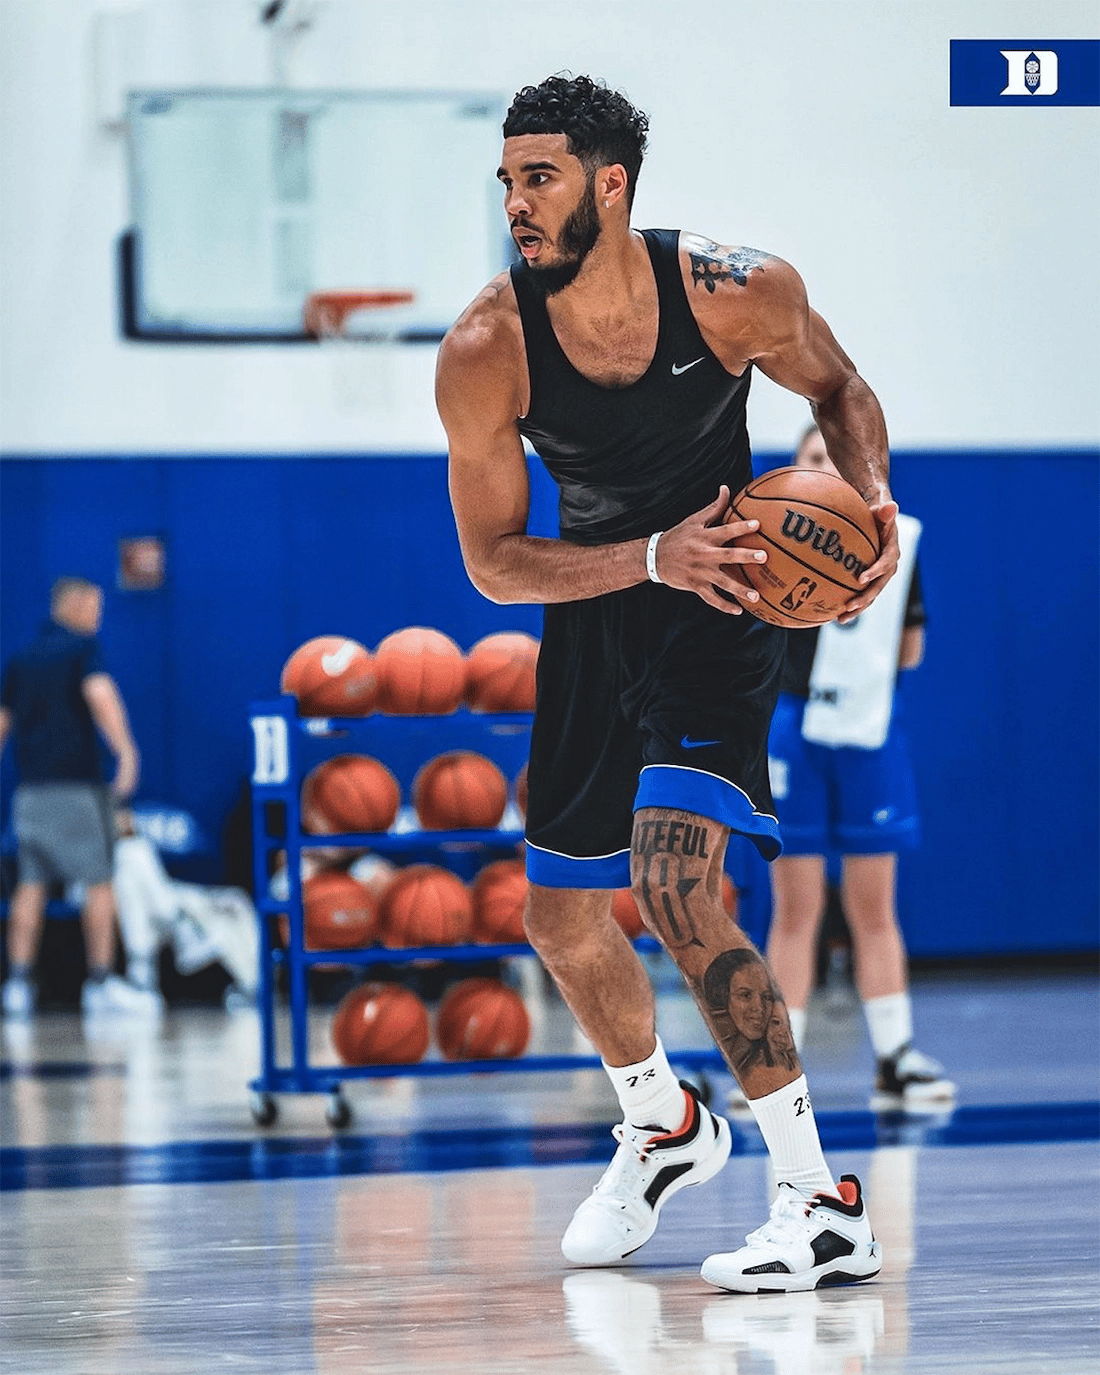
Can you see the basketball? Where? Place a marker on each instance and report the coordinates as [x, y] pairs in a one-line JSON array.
[[482, 1019], [420, 672], [500, 673], [460, 791], [499, 893], [425, 905], [347, 794], [519, 790], [381, 1024], [625, 910], [339, 913], [820, 536], [373, 872], [331, 676]]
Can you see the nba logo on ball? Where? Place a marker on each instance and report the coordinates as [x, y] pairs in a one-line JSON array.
[[1030, 72]]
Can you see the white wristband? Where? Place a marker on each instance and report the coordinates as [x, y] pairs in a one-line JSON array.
[[651, 557]]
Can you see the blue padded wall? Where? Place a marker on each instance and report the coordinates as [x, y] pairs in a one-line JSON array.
[[265, 552]]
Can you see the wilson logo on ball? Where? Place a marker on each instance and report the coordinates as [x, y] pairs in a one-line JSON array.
[[803, 529]]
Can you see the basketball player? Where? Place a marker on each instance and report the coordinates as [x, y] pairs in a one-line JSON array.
[[625, 357], [858, 801]]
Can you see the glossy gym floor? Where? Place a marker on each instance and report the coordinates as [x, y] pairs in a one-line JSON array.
[[148, 1225]]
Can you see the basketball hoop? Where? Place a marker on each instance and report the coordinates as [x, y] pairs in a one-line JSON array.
[[360, 331]]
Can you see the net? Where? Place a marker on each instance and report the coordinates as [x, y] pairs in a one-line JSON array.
[[361, 334]]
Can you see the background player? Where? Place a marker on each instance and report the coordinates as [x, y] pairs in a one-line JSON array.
[[56, 697], [625, 359], [858, 801]]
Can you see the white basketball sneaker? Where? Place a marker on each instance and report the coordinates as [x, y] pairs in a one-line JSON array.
[[806, 1243], [910, 1079], [116, 997], [620, 1214]]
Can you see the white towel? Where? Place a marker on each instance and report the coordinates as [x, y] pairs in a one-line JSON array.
[[855, 665]]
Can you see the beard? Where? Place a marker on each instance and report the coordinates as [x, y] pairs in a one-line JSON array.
[[578, 238]]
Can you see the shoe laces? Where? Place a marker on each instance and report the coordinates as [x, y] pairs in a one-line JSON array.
[[786, 1221], [630, 1160]]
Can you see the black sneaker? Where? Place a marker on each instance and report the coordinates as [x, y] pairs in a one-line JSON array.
[[910, 1078]]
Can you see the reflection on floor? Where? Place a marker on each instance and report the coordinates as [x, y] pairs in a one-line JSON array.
[[148, 1225]]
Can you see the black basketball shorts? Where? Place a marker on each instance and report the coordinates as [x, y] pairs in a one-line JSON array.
[[646, 698]]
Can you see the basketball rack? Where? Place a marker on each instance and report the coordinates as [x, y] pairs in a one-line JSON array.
[[285, 747]]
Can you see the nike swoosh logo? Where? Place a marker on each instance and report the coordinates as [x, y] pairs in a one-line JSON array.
[[687, 744], [334, 664], [678, 368]]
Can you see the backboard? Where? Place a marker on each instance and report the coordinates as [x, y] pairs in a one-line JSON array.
[[243, 202]]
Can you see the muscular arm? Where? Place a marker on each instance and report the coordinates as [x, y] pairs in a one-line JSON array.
[[480, 384], [109, 714], [753, 308]]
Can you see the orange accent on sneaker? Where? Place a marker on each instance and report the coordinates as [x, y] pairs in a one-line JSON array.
[[847, 1193]]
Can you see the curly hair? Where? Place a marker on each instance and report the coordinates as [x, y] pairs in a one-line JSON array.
[[600, 125]]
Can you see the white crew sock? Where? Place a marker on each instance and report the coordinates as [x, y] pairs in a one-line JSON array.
[[797, 1017], [787, 1124], [649, 1092], [890, 1022]]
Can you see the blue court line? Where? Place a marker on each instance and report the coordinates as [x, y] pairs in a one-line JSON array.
[[59, 1069], [273, 1157]]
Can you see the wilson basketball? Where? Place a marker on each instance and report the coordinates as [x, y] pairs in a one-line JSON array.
[[331, 676], [349, 793], [381, 1024], [820, 536], [420, 672], [425, 905], [499, 894], [482, 1019], [338, 912], [460, 791], [500, 673]]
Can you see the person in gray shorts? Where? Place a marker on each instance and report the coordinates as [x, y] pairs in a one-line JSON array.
[[56, 700]]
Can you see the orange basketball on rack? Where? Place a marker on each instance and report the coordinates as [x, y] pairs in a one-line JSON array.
[[425, 905], [338, 912], [381, 1024], [421, 672], [519, 789], [460, 791], [819, 535], [331, 676], [349, 793], [499, 895], [625, 910], [482, 1019], [500, 672]]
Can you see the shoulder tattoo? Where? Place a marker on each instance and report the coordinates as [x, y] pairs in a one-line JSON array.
[[711, 264]]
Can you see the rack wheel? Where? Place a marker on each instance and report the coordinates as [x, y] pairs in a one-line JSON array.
[[337, 1110], [264, 1109]]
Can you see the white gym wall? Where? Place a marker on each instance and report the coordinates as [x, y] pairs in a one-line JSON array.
[[954, 251]]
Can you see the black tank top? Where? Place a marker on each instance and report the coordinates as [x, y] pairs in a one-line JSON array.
[[631, 460]]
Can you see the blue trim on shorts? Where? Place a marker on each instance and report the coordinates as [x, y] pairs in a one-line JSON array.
[[551, 870], [708, 794]]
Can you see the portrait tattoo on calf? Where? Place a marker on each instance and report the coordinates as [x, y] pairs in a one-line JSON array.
[[746, 1006], [715, 264]]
